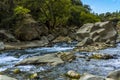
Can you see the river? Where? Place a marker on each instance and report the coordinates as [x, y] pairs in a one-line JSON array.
[[98, 67]]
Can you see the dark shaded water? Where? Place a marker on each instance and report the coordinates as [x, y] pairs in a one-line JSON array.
[[98, 67]]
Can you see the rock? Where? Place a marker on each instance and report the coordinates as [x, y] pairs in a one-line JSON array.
[[28, 29], [98, 32], [100, 56], [24, 45], [84, 42], [73, 74], [44, 39], [92, 47], [115, 75], [4, 77], [50, 37], [16, 71], [7, 36], [2, 46], [34, 76], [66, 56], [87, 76], [51, 59], [109, 79], [62, 39], [64, 31]]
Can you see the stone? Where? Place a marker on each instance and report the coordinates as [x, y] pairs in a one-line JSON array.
[[87, 76], [51, 59], [66, 56], [24, 45], [28, 29], [2, 46], [44, 39], [73, 74], [115, 75], [62, 39], [6, 36], [109, 79], [101, 56], [98, 32], [4, 77], [50, 37], [84, 42]]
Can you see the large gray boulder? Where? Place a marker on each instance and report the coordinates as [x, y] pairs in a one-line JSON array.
[[97, 32], [4, 77], [115, 75], [87, 76], [28, 29], [51, 59]]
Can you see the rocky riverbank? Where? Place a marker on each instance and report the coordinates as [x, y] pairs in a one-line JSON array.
[[90, 37]]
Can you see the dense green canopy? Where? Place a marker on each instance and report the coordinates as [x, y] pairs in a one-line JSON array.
[[50, 12]]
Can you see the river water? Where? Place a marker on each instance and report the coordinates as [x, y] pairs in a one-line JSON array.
[[98, 67]]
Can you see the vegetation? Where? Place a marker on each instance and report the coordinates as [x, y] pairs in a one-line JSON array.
[[52, 13], [109, 16]]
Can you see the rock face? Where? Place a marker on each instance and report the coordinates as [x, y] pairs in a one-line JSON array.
[[98, 32], [87, 76], [28, 29], [6, 36], [115, 75], [3, 77]]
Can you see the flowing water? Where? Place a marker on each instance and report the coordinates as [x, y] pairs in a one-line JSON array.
[[98, 67]]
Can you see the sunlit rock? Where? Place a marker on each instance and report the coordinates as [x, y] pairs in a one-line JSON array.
[[73, 74]]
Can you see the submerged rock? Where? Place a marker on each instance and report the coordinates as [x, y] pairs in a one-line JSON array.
[[16, 71], [100, 56], [4, 77]]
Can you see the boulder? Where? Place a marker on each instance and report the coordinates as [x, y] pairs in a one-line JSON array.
[[51, 59], [28, 29], [98, 32], [87, 76], [2, 46], [4, 77], [73, 74], [115, 75], [7, 36]]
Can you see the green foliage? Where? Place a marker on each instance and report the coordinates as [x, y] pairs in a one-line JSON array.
[[19, 10], [52, 13], [109, 16]]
